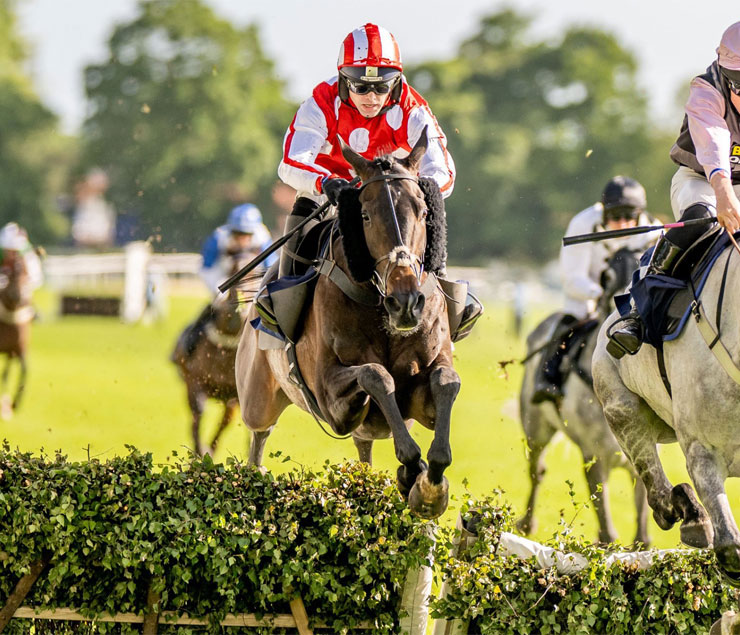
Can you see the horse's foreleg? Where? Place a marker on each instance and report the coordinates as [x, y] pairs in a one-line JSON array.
[[257, 447], [709, 476], [364, 450], [196, 401], [444, 384], [636, 428], [597, 474], [641, 507], [539, 434], [229, 407], [21, 382]]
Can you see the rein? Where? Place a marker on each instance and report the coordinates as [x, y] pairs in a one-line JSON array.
[[400, 254]]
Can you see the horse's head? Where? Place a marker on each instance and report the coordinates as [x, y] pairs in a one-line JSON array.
[[15, 285], [616, 276], [391, 234]]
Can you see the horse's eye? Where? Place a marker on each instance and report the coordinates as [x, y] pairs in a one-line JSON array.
[[424, 213], [365, 217]]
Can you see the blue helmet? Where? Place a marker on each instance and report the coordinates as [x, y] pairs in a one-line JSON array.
[[246, 219]]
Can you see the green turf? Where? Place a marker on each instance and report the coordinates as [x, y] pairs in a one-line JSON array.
[[96, 384]]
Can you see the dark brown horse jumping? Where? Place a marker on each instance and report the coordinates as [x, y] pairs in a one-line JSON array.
[[376, 353], [16, 314], [208, 371]]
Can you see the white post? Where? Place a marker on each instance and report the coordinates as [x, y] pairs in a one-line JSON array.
[[415, 596], [134, 290]]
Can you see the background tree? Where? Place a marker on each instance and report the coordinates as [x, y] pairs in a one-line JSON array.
[[33, 155], [187, 118], [536, 130]]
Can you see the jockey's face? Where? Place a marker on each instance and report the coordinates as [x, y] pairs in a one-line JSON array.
[[369, 104], [623, 218], [240, 241]]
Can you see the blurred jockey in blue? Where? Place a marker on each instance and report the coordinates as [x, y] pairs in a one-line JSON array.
[[242, 238]]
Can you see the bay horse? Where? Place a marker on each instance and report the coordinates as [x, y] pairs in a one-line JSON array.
[[579, 415], [702, 414], [16, 315], [375, 364], [208, 372]]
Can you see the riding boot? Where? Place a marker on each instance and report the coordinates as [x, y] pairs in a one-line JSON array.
[[548, 382], [302, 208], [193, 334], [628, 336]]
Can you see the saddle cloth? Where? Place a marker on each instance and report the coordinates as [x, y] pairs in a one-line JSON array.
[[664, 302]]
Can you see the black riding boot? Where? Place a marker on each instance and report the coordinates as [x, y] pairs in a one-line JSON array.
[[195, 331], [303, 207], [472, 311], [627, 338], [548, 382]]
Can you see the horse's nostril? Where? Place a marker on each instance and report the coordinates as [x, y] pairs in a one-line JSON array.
[[392, 305]]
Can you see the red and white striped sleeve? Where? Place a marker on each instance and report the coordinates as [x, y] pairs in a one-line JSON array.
[[437, 162], [304, 140]]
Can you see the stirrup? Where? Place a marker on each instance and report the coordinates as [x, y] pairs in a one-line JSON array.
[[617, 349], [472, 311], [263, 305]]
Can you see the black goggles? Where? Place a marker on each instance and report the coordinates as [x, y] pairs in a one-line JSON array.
[[734, 86], [732, 78], [622, 213], [363, 88]]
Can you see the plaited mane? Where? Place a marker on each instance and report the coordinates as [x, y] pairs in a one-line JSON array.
[[359, 260]]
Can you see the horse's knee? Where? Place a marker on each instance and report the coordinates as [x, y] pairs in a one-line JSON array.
[[374, 379]]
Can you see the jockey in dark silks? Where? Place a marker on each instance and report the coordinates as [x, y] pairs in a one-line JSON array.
[[582, 266], [707, 182], [370, 106]]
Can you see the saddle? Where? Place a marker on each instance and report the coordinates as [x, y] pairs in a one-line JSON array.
[[664, 302]]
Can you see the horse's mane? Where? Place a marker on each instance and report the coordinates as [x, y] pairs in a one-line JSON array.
[[359, 260]]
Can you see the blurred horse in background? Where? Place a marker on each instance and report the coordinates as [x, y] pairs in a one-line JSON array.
[[16, 315], [208, 369], [579, 415]]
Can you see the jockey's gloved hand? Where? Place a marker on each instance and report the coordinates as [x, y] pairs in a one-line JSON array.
[[332, 187]]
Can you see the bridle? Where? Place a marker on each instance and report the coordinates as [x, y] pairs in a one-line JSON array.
[[400, 255]]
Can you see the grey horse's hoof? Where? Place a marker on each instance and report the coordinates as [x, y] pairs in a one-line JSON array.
[[697, 534], [728, 558], [428, 500]]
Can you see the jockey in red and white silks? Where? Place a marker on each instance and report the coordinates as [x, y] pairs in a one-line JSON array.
[[311, 151]]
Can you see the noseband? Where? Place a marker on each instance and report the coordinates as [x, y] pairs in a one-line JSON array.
[[400, 255]]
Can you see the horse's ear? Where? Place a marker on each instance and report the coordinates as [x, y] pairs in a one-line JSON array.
[[411, 162], [360, 164]]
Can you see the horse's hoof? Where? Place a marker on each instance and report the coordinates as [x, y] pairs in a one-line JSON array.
[[731, 577], [728, 557], [406, 478], [428, 500], [697, 533], [526, 526]]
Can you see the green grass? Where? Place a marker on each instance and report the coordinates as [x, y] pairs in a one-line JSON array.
[[96, 385]]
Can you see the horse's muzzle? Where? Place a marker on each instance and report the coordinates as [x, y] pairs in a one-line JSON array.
[[405, 309]]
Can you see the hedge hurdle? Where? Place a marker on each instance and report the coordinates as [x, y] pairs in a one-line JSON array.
[[197, 543]]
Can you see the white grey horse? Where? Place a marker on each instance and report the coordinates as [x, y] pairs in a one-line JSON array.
[[703, 416], [580, 417]]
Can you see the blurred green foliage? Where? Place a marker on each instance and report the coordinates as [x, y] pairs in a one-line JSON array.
[[34, 157], [536, 129], [186, 117]]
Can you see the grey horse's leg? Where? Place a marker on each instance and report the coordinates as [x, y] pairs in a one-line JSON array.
[[637, 428], [597, 474], [21, 382], [709, 479], [641, 507], [196, 401], [539, 434], [257, 447], [364, 450]]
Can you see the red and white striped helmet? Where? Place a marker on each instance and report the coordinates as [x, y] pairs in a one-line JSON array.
[[370, 45]]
